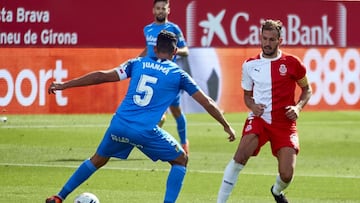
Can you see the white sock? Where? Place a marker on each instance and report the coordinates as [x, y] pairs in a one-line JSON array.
[[279, 186], [231, 174]]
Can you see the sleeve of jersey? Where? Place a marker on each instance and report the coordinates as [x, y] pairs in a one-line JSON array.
[[246, 82], [301, 73], [188, 84], [124, 70], [180, 37]]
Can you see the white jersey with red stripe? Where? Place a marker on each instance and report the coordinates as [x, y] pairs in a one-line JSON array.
[[273, 82]]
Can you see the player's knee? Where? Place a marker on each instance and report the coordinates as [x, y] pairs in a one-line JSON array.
[[241, 160], [181, 160], [186, 159], [242, 157], [286, 176], [99, 161]]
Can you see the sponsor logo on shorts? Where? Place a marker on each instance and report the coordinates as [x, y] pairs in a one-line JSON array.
[[248, 128], [124, 140], [294, 139]]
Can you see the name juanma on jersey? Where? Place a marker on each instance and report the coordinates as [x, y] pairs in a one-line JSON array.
[[155, 66]]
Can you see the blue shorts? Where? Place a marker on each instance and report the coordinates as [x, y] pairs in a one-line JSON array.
[[120, 139]]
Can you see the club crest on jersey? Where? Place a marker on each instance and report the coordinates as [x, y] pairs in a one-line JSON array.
[[282, 70]]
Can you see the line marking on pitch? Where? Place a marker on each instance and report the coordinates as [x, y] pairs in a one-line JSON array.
[[104, 125], [164, 170]]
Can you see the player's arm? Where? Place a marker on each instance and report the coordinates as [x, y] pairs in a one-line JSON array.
[[306, 91], [144, 52], [93, 78], [211, 107], [257, 109], [183, 51], [247, 85]]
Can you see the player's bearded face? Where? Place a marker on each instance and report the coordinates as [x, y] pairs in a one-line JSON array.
[[161, 11], [269, 51], [160, 18], [270, 43]]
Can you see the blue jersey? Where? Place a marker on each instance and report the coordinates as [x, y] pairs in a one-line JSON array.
[[152, 30], [153, 86]]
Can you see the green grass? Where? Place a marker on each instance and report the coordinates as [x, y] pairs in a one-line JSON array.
[[40, 152]]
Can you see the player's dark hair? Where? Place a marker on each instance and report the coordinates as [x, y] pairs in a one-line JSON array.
[[166, 42], [166, 1], [272, 25]]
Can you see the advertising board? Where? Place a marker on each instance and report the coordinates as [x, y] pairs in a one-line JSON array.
[[25, 73], [42, 41]]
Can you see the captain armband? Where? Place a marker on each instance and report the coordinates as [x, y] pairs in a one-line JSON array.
[[303, 82], [121, 72]]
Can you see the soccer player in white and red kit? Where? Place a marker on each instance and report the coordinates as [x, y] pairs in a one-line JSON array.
[[269, 81]]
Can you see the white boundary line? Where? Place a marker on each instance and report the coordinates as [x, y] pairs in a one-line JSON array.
[[189, 170], [104, 125], [54, 126]]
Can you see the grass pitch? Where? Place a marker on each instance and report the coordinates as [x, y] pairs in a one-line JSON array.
[[40, 152]]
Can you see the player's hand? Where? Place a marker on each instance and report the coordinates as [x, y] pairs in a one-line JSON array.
[[292, 112], [258, 109], [231, 132], [54, 86]]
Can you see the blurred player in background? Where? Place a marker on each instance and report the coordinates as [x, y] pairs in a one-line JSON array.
[[161, 10], [154, 84], [269, 81]]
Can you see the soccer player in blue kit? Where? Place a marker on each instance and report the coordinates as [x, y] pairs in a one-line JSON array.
[[161, 10], [154, 83]]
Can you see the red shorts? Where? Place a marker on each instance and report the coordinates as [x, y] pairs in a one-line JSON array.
[[280, 134]]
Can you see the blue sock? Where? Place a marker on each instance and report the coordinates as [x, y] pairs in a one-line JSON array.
[[181, 128], [174, 183], [85, 170]]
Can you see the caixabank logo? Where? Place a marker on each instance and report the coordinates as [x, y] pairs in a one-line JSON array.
[[209, 26]]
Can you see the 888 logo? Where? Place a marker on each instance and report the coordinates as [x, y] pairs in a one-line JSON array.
[[334, 76]]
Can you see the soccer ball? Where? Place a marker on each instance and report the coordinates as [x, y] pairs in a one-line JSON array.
[[86, 197]]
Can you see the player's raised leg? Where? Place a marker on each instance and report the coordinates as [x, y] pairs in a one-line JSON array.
[[83, 172]]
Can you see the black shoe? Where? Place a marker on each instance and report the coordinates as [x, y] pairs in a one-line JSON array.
[[279, 198]]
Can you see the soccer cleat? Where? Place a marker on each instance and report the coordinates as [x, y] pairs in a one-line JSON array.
[[53, 199], [186, 147], [279, 198]]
